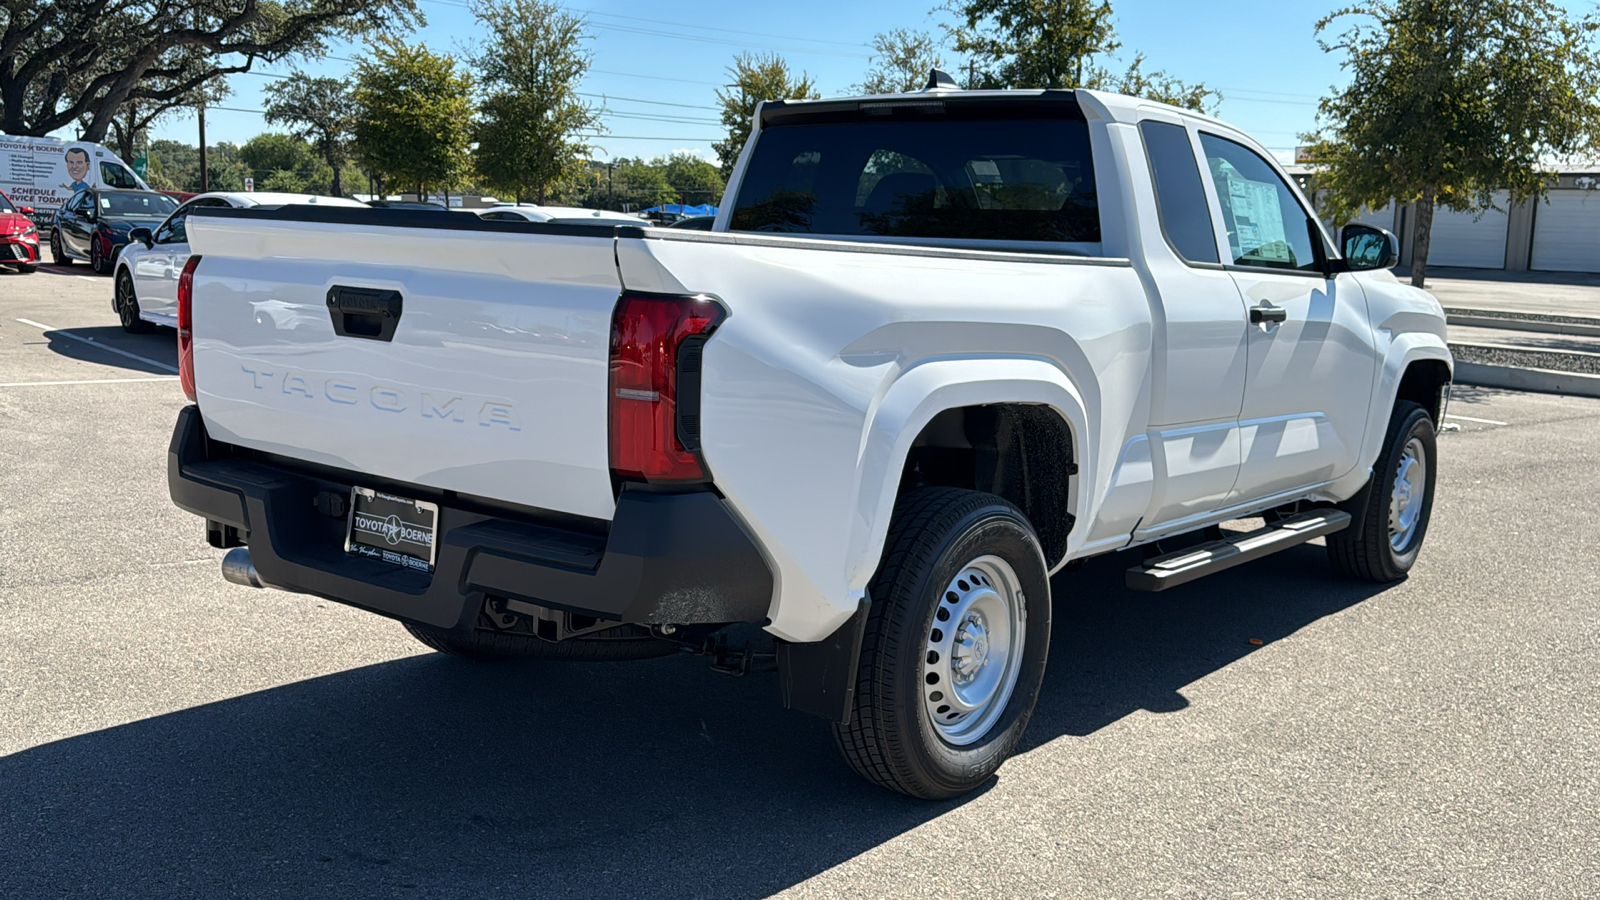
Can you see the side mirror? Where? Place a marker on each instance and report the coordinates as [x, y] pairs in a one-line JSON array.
[[1366, 248], [25, 210], [142, 235]]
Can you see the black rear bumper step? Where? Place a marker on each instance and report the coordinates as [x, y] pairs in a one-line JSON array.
[[678, 559], [1191, 563]]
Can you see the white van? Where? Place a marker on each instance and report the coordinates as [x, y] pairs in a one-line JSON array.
[[44, 172]]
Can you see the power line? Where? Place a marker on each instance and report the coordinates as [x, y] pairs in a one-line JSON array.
[[686, 25]]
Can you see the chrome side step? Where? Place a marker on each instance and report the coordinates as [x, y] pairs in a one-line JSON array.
[[1191, 563]]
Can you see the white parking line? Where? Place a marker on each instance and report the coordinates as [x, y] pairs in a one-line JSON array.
[[1471, 419], [13, 384], [94, 343], [48, 270]]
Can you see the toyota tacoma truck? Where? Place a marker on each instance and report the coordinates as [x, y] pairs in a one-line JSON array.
[[937, 348]]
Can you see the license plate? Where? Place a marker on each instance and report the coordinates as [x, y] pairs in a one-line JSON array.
[[393, 529]]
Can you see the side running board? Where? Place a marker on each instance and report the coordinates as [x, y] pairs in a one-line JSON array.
[[1191, 563]]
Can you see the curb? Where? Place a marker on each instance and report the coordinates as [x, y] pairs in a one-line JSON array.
[[1530, 325], [1542, 381]]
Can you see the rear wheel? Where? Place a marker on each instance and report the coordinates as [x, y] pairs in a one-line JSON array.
[[58, 253], [955, 646], [128, 306], [625, 642], [1383, 545]]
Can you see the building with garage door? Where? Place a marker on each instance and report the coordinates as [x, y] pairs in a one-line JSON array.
[[1560, 233]]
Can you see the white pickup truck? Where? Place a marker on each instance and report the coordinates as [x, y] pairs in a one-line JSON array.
[[938, 347]]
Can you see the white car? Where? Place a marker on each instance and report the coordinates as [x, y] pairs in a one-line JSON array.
[[560, 215], [145, 290], [937, 349]]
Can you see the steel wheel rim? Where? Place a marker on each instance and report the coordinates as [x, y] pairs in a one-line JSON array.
[[1406, 499], [973, 653]]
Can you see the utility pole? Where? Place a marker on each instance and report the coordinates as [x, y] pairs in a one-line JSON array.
[[205, 174], [611, 194]]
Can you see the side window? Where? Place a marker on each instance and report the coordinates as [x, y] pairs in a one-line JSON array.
[[1180, 194], [113, 175], [83, 204], [173, 230], [1267, 226]]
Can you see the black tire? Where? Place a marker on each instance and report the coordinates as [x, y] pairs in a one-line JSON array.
[[891, 738], [58, 253], [97, 259], [127, 305], [625, 642], [28, 268], [1366, 550]]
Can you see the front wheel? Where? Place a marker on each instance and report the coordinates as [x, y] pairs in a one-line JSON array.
[[97, 258], [954, 653], [58, 253], [28, 268], [1383, 545]]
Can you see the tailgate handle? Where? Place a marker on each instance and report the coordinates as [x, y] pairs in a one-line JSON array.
[[366, 313]]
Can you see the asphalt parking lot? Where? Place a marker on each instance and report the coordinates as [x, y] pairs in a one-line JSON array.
[[166, 734]]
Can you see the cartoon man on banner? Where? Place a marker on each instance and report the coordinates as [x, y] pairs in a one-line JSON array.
[[78, 168]]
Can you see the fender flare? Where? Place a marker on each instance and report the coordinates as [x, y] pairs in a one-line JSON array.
[[911, 402], [1407, 348]]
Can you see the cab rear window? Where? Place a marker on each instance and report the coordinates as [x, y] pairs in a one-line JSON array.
[[992, 179]]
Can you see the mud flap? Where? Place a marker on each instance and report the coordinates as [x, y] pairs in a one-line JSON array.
[[820, 677]]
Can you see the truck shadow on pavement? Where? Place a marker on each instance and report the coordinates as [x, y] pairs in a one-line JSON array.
[[429, 777], [151, 354]]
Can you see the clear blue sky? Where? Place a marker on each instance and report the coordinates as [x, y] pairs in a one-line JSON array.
[[648, 55]]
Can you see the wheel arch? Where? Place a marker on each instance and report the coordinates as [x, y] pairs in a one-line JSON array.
[[1006, 412], [1417, 367]]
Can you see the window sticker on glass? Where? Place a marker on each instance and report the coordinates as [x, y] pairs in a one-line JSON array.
[[985, 171], [1257, 215]]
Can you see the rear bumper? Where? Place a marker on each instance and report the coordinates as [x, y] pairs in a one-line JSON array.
[[667, 559]]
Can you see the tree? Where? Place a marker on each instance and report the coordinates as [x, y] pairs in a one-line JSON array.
[[412, 116], [755, 78], [277, 161], [531, 122], [318, 109], [691, 179], [1057, 44], [65, 61], [901, 62], [1450, 101]]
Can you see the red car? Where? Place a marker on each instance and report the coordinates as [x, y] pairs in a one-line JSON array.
[[19, 237]]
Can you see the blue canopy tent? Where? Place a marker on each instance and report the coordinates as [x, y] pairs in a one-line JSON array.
[[679, 209]]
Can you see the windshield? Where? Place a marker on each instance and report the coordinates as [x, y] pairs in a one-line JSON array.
[[5, 205], [1010, 179], [137, 205]]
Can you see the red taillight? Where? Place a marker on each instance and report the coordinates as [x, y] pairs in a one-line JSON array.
[[655, 346], [186, 327]]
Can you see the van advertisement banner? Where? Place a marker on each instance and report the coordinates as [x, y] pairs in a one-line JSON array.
[[44, 173]]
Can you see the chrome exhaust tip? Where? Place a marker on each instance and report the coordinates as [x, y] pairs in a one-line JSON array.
[[237, 568]]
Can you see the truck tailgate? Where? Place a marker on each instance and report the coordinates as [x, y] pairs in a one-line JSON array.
[[491, 380]]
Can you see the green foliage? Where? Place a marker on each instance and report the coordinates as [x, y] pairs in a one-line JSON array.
[[1450, 101], [318, 109], [532, 123], [1057, 44], [66, 61], [636, 184], [754, 79], [412, 116], [901, 62]]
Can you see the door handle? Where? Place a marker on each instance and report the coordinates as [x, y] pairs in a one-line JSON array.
[[1268, 314]]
